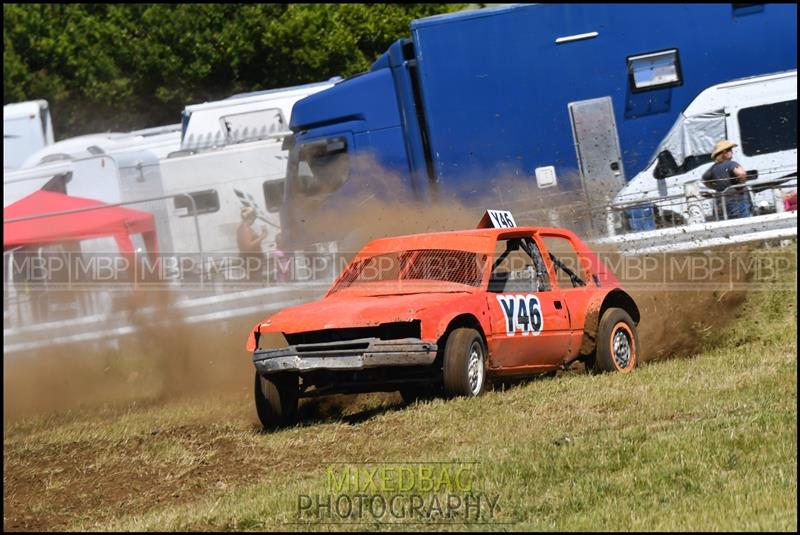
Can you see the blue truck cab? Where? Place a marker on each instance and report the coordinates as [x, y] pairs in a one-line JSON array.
[[481, 105]]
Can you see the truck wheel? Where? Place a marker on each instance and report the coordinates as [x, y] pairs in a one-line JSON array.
[[464, 363], [276, 400], [617, 347]]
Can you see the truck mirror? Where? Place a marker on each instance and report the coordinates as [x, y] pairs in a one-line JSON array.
[[666, 165]]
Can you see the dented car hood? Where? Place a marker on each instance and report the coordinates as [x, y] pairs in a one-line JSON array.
[[344, 311]]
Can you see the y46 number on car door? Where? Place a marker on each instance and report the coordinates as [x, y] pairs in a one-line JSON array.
[[523, 314]]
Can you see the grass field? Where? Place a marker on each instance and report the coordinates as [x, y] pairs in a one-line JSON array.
[[704, 442]]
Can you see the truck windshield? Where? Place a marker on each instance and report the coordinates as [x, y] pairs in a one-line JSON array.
[[443, 265], [691, 140], [318, 169]]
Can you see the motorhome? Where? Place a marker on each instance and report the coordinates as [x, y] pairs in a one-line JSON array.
[[231, 156], [27, 127], [757, 113], [220, 158], [243, 117]]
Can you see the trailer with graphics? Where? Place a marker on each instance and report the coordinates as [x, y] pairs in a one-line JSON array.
[[500, 103]]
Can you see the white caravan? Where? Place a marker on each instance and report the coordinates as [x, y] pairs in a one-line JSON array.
[[759, 114], [97, 166], [163, 139], [231, 156], [205, 162], [27, 127]]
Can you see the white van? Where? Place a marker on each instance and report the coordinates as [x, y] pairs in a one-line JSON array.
[[244, 117], [27, 127], [758, 113]]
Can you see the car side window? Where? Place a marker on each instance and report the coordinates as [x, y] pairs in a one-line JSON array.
[[565, 260], [518, 267]]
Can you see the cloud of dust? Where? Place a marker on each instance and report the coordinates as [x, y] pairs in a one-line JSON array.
[[164, 359], [377, 203], [685, 299]]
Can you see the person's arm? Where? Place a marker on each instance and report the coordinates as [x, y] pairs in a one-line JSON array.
[[740, 174], [256, 240]]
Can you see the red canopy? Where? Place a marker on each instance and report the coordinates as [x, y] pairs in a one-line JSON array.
[[114, 221]]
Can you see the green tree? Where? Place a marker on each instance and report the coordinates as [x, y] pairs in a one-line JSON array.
[[127, 66]]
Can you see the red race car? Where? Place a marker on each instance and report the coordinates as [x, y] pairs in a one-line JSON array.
[[443, 312]]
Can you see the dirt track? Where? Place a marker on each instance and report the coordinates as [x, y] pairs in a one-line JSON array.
[[111, 490]]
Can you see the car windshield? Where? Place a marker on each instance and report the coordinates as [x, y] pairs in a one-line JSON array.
[[438, 265]]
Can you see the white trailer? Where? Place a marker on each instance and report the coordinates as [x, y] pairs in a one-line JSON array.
[[758, 113], [27, 127]]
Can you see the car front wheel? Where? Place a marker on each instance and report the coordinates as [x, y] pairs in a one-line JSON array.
[[464, 363], [276, 399], [617, 343]]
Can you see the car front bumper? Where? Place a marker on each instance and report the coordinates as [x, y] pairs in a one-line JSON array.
[[347, 355]]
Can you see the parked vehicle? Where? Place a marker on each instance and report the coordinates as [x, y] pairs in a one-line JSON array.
[[213, 161], [27, 127], [446, 312], [496, 103], [231, 156], [243, 117], [109, 167], [758, 113]]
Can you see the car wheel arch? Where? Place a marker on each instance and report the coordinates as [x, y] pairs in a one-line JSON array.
[[462, 320], [616, 298]]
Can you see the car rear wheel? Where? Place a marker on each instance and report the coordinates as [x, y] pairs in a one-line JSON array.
[[276, 399], [617, 347], [464, 363]]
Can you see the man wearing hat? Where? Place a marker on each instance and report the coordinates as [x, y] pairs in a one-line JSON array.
[[723, 176]]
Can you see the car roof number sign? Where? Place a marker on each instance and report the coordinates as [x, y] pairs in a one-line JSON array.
[[497, 219]]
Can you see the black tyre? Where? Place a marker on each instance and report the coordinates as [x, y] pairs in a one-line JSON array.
[[464, 366], [617, 348], [276, 400]]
